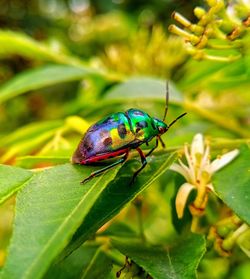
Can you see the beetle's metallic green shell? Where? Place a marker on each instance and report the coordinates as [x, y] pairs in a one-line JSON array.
[[115, 132]]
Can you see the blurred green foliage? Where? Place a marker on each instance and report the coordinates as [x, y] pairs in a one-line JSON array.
[[66, 64]]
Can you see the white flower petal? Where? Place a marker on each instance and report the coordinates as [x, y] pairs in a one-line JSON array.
[[190, 174], [223, 160], [181, 198], [180, 170], [205, 159], [197, 146], [188, 157]]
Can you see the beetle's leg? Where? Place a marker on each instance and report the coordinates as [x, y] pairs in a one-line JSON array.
[[97, 172], [144, 163], [162, 142], [118, 273], [156, 145]]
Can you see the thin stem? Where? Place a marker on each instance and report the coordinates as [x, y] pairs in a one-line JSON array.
[[225, 122], [228, 143], [244, 227], [199, 204], [195, 224], [138, 205], [221, 58], [229, 242]]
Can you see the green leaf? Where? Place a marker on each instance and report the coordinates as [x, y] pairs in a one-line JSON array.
[[21, 44], [79, 262], [118, 229], [232, 184], [144, 88], [29, 161], [178, 261], [12, 179], [234, 75], [118, 194], [41, 77], [28, 138], [198, 78], [48, 211], [30, 131], [99, 267], [26, 146], [217, 76]]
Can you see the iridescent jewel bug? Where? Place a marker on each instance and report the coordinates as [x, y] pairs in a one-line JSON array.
[[117, 134]]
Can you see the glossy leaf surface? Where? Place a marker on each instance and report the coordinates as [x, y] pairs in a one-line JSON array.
[[118, 193], [96, 270], [39, 78], [21, 44], [232, 184], [177, 261], [48, 211], [88, 260], [12, 179], [144, 87]]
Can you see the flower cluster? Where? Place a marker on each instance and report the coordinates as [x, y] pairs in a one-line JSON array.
[[221, 27]]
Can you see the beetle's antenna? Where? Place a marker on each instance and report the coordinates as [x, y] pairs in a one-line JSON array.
[[176, 119], [166, 107]]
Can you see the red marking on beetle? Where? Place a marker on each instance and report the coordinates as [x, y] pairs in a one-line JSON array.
[[104, 156]]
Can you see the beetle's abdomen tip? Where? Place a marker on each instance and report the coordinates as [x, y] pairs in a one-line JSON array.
[[74, 160], [77, 157]]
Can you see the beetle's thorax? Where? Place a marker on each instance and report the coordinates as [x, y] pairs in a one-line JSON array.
[[161, 126], [142, 125]]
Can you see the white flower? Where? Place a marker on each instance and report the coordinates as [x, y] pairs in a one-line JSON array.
[[198, 172]]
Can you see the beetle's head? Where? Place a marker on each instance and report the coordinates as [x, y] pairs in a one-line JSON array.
[[161, 126]]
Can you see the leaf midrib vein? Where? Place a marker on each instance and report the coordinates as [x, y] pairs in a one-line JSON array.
[[172, 270], [60, 228], [146, 184]]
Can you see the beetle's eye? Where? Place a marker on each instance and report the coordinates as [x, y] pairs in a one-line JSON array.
[[161, 130]]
